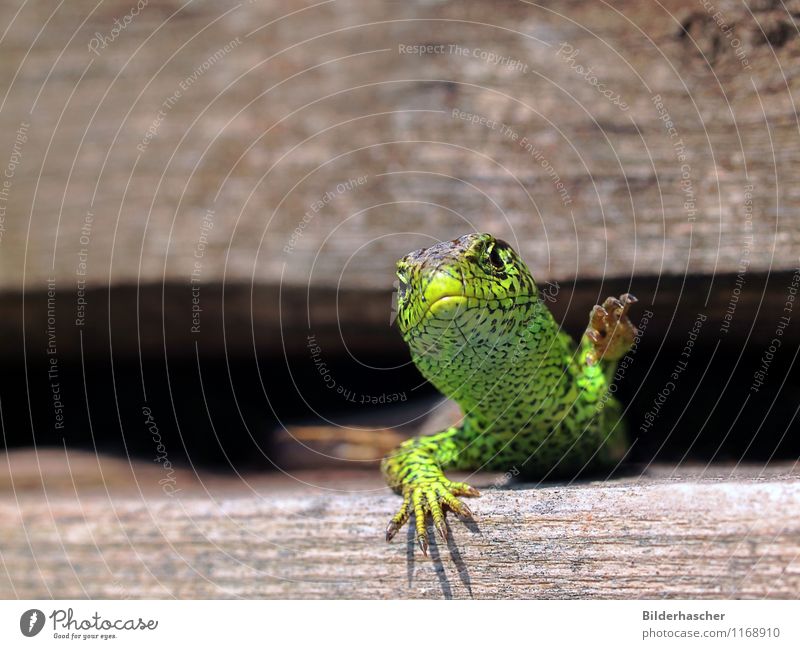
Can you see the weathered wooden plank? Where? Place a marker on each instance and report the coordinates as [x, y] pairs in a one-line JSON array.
[[690, 532], [314, 99], [265, 112], [215, 185]]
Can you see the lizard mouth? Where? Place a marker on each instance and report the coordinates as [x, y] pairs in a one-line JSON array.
[[449, 307], [446, 307], [445, 298], [442, 307]]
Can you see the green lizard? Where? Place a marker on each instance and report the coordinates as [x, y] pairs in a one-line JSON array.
[[478, 330]]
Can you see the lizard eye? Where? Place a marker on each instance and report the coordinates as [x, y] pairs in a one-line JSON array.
[[495, 259]]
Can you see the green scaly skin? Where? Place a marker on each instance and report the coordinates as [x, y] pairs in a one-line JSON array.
[[532, 399]]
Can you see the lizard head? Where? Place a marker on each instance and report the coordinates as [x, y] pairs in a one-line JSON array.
[[455, 286]]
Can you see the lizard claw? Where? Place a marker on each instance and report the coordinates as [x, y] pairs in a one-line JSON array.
[[466, 512], [430, 498], [610, 330], [391, 529]]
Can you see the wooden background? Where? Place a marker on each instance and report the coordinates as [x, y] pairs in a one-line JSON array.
[[695, 532], [309, 96]]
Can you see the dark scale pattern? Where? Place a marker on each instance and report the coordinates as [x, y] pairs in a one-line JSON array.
[[532, 400]]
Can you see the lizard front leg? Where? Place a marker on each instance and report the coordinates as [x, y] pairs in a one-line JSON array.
[[610, 331], [414, 470]]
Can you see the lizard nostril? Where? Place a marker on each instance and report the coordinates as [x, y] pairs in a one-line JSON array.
[[402, 289]]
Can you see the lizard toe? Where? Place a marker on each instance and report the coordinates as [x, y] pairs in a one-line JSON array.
[[430, 497], [610, 330]]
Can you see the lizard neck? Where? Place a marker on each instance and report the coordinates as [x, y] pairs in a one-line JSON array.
[[502, 372]]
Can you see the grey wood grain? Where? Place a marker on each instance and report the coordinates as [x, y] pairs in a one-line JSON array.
[[674, 533]]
